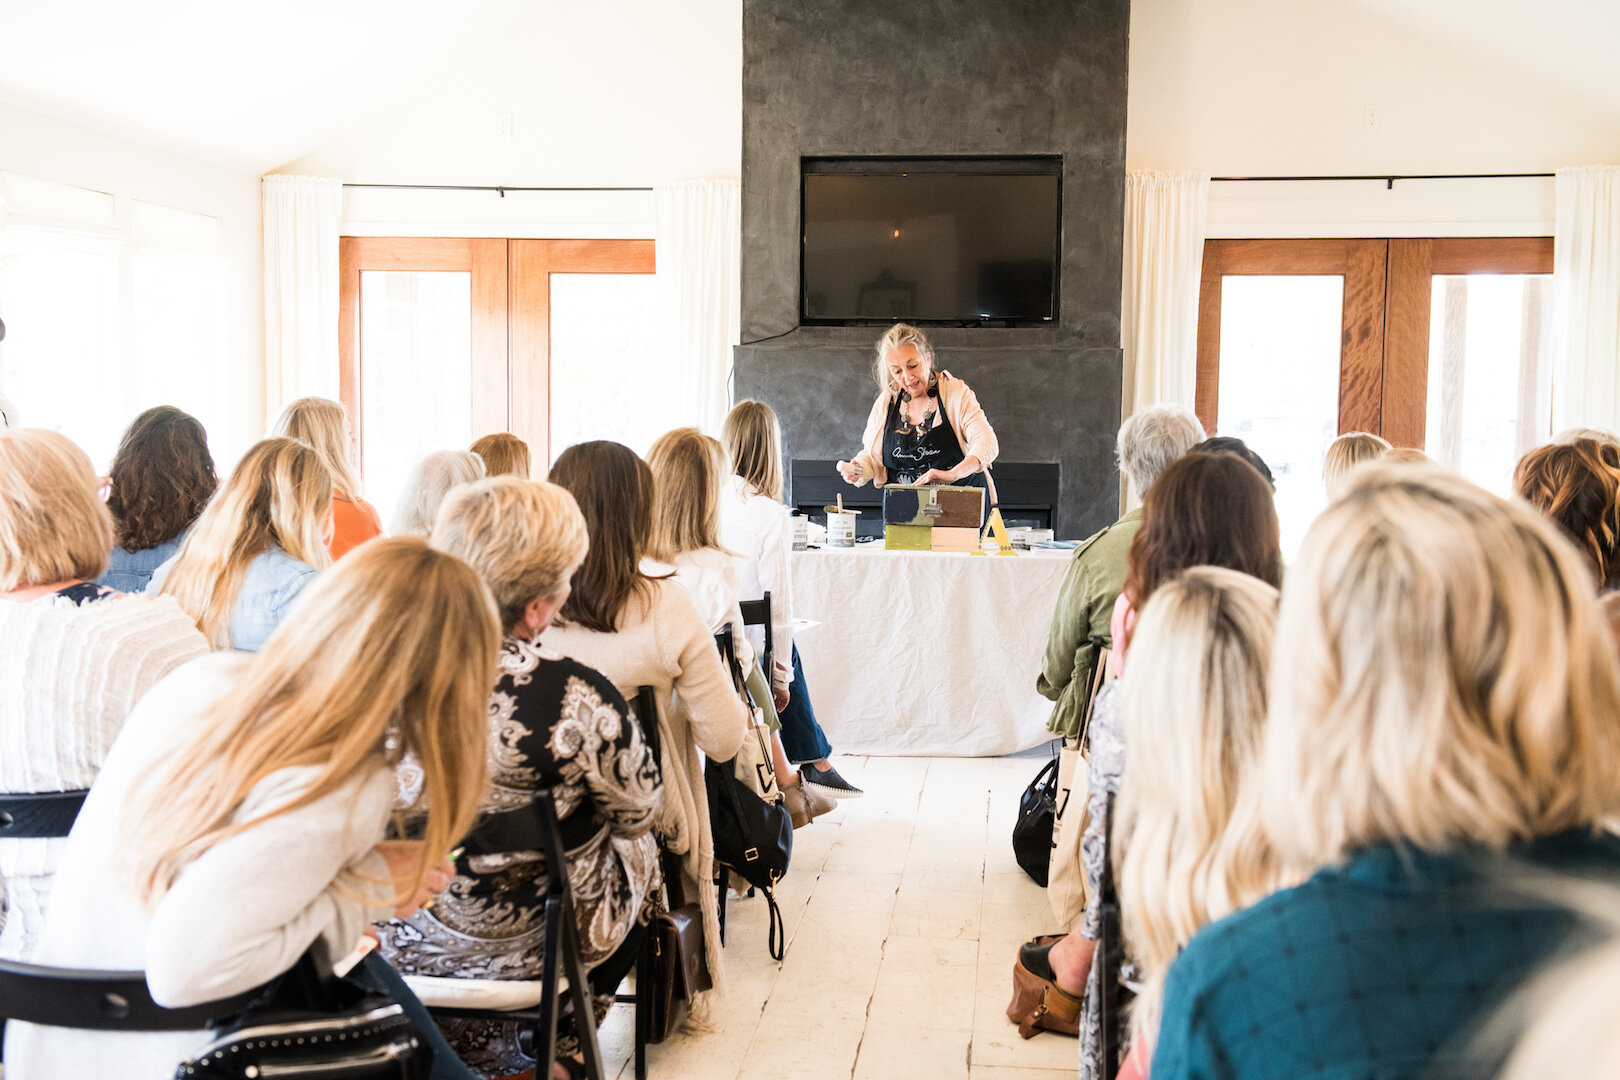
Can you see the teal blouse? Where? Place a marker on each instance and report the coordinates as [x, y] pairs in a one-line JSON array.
[[1380, 969]]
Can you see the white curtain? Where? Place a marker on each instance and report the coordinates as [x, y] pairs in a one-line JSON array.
[[1586, 289], [1165, 218], [301, 220], [699, 249]]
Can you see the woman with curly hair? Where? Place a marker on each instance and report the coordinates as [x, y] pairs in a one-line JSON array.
[[161, 478], [1577, 486]]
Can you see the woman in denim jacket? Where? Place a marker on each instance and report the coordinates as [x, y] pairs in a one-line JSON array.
[[159, 482], [254, 549]]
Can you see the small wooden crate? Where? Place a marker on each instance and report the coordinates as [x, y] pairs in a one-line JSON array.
[[934, 506]]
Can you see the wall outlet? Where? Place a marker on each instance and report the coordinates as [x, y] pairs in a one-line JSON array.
[[1372, 117], [503, 125]]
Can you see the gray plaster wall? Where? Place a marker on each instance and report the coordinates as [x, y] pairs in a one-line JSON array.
[[923, 77]]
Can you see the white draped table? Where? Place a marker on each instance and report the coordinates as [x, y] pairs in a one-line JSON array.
[[923, 653]]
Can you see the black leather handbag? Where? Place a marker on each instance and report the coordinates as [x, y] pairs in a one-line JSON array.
[[1032, 831], [308, 1023], [753, 838]]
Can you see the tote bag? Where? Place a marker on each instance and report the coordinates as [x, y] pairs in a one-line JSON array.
[[1066, 888]]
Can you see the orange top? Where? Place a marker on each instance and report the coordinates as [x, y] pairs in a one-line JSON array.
[[353, 523]]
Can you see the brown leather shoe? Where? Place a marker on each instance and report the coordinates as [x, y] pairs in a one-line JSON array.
[[1038, 1003]]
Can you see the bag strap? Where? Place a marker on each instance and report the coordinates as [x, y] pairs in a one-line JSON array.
[[776, 943]]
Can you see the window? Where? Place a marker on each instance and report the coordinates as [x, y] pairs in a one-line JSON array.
[[1439, 344]]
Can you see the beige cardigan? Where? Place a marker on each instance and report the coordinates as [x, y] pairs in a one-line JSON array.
[[667, 645], [958, 403]]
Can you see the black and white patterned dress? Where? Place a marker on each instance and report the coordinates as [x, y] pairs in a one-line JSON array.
[[553, 722]]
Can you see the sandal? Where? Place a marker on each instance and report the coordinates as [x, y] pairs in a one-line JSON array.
[[1038, 1003]]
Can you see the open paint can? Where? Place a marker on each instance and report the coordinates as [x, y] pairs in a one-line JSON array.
[[841, 527]]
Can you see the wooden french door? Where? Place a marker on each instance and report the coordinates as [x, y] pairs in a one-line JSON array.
[[442, 340]]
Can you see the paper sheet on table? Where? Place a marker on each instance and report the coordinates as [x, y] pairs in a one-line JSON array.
[[804, 624]]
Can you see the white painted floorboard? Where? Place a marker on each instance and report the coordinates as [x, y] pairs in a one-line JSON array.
[[904, 912]]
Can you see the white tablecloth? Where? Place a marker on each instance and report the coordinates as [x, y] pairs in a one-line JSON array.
[[923, 653]]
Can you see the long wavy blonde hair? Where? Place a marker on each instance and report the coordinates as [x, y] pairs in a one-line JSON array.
[[323, 424], [1190, 848], [688, 468], [278, 496], [753, 438], [1442, 677], [392, 652]]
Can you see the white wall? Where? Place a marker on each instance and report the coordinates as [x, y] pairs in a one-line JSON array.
[[627, 94], [49, 149], [1279, 87]]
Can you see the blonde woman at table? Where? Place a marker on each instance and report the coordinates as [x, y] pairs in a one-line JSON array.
[[926, 426], [689, 473], [754, 527]]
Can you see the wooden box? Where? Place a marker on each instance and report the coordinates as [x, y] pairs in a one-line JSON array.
[[908, 538], [948, 539], [934, 506]]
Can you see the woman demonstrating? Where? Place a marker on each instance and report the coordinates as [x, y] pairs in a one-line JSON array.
[[926, 427], [240, 819]]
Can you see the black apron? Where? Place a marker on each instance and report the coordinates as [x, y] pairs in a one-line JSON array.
[[909, 452]]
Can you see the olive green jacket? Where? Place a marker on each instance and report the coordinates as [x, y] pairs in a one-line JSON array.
[[1085, 604]]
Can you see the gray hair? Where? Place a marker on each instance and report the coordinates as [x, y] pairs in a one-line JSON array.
[[897, 335], [430, 481], [1149, 440]]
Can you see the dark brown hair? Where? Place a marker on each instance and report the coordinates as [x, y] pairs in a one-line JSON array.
[[162, 477], [1206, 509], [1577, 486], [614, 489]]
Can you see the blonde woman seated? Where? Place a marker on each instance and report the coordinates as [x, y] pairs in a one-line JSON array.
[[553, 723], [689, 470], [504, 454], [1345, 455], [323, 425], [75, 657], [640, 630], [1442, 709], [255, 548], [430, 480], [240, 820], [1188, 842]]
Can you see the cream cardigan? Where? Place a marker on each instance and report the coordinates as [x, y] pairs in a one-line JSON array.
[[959, 404], [665, 644]]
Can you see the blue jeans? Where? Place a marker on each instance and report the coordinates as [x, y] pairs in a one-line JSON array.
[[374, 973], [802, 737]]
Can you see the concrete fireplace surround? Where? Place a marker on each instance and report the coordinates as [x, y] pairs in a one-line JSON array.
[[911, 78]]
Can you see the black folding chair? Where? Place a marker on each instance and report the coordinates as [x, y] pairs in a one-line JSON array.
[[1112, 993], [45, 814], [758, 613], [536, 827]]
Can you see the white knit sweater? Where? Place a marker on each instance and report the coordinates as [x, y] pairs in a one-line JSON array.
[[69, 676]]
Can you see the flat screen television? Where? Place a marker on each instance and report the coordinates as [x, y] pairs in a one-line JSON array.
[[942, 241]]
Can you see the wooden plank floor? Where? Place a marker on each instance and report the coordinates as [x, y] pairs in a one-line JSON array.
[[904, 911]]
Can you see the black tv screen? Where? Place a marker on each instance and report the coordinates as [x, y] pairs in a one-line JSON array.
[[955, 240]]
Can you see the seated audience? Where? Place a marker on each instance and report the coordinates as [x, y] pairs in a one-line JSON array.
[[1187, 838], [689, 471], [1577, 486], [255, 548], [640, 630], [160, 480], [504, 454], [1345, 455], [428, 483], [754, 528], [1406, 455], [553, 724], [1148, 442], [75, 657], [240, 820], [1443, 697], [323, 425], [1204, 510]]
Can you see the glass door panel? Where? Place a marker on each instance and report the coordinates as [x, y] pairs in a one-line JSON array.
[[416, 373], [1489, 369], [1279, 382], [608, 380]]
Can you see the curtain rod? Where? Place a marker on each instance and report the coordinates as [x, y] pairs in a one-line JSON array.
[[500, 189], [1389, 180]]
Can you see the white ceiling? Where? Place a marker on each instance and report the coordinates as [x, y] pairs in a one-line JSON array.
[[256, 88]]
